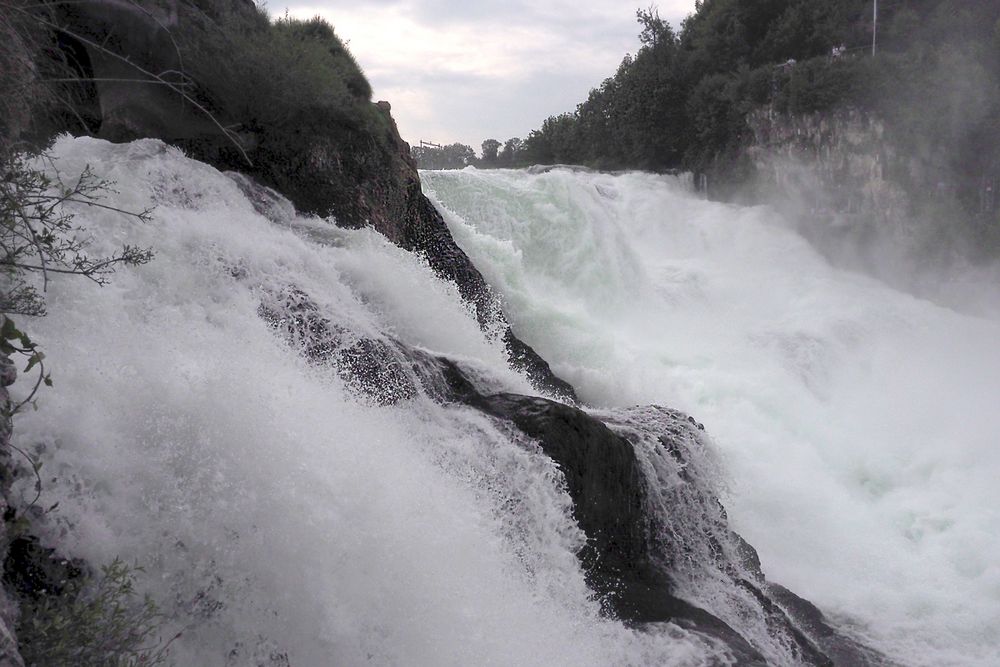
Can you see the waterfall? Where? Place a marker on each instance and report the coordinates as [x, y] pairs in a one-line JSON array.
[[265, 419], [855, 425]]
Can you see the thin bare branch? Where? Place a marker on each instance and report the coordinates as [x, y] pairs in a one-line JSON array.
[[69, 105], [142, 215], [170, 35], [125, 59], [113, 80]]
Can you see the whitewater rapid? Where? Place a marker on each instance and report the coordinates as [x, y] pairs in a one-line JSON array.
[[280, 518], [858, 426]]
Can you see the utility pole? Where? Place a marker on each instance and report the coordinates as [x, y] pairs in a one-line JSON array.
[[874, 26]]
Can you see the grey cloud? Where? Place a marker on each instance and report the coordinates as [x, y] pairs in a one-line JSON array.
[[470, 107]]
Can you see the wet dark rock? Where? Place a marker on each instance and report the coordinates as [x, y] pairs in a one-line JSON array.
[[524, 359], [841, 649], [626, 561], [266, 201], [425, 232], [604, 481], [374, 369], [31, 570], [701, 427], [608, 492], [802, 646]]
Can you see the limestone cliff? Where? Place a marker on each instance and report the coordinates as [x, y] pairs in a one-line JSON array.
[[838, 162]]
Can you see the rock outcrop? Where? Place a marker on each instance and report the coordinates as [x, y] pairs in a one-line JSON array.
[[868, 196], [422, 230], [838, 174], [356, 171]]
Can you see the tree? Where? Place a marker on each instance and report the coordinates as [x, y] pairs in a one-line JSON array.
[[654, 29], [453, 156], [37, 234], [511, 152], [38, 239], [490, 149]]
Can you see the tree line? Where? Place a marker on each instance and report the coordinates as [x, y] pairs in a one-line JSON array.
[[495, 155], [682, 99]]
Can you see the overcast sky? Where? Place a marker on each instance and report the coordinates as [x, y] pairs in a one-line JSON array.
[[469, 70]]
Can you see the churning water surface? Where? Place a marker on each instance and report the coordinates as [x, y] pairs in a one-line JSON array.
[[279, 515], [859, 426]]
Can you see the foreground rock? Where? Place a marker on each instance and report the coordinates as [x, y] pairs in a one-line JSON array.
[[424, 231]]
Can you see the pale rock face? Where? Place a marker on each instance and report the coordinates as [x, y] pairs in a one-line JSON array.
[[832, 164]]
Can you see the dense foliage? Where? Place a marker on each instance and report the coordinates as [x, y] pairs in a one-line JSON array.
[[297, 107], [452, 156], [93, 620], [289, 72], [682, 100], [457, 156]]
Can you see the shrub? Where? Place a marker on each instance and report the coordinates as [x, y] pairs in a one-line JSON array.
[[269, 76], [297, 103], [820, 84], [96, 621]]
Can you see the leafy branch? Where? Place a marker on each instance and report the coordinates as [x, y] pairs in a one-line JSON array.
[[16, 342], [38, 236], [94, 621]]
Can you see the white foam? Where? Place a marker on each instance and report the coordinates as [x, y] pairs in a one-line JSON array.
[[858, 424], [275, 513]]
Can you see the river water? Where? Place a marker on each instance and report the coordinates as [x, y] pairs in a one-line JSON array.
[[281, 518]]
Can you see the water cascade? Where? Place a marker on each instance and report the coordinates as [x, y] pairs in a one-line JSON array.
[[856, 426], [321, 457]]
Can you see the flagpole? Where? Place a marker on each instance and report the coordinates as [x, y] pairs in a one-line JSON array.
[[874, 26]]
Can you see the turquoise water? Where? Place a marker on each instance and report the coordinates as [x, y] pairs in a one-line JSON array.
[[857, 425]]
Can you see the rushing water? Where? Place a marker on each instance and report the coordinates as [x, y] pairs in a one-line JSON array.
[[859, 426], [276, 513], [284, 519]]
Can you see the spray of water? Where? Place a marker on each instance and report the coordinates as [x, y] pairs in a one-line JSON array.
[[280, 517], [856, 424]]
